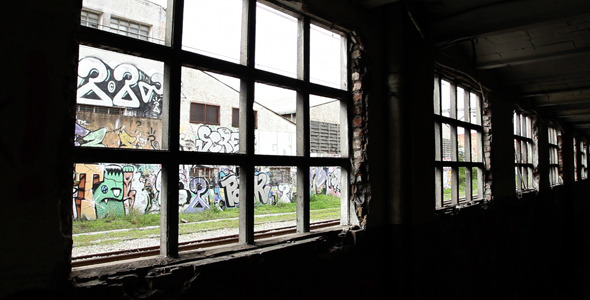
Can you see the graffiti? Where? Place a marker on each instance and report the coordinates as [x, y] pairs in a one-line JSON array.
[[122, 86], [211, 139], [113, 190], [325, 180], [96, 138]]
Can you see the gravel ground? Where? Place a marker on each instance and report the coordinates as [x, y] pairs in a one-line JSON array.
[[155, 240]]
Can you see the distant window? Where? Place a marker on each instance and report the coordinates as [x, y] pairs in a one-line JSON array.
[[204, 114], [324, 137], [459, 163], [525, 152], [130, 28], [88, 18], [554, 136], [235, 118], [580, 162]]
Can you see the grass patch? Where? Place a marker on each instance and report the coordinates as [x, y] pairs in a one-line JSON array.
[[137, 221]]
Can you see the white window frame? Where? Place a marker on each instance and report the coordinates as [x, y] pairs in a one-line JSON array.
[[525, 152], [454, 162], [116, 21]]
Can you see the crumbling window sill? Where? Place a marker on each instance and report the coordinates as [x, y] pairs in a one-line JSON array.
[[87, 276]]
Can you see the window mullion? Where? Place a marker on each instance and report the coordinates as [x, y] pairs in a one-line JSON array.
[[170, 124], [246, 227]]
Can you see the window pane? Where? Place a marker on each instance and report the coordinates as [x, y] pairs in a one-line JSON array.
[[123, 96], [116, 207], [446, 142], [461, 104], [276, 41], [208, 201], [445, 88], [276, 133], [447, 185], [326, 128], [275, 194], [220, 92], [461, 143], [327, 61], [475, 178], [475, 109], [151, 13], [213, 28], [325, 189], [476, 146], [462, 183], [517, 157]]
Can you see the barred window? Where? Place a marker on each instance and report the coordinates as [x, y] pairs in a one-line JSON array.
[[459, 152], [89, 18]]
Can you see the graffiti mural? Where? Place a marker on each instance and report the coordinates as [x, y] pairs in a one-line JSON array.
[[325, 180], [118, 106], [115, 190], [207, 138]]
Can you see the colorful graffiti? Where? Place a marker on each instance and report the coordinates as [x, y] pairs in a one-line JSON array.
[[104, 190], [209, 138], [115, 190]]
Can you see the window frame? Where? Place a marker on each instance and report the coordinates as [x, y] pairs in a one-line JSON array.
[[174, 58], [454, 163], [525, 140], [555, 159], [205, 109]]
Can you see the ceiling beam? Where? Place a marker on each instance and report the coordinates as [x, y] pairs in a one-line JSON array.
[[573, 90], [532, 59], [503, 16]]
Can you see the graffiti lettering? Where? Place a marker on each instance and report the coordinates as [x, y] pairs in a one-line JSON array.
[[123, 86], [221, 140]]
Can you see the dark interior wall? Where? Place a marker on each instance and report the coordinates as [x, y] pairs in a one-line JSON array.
[[38, 78]]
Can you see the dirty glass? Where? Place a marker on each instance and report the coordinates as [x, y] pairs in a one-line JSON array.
[[327, 58], [276, 41], [326, 191], [327, 129], [276, 132], [275, 197]]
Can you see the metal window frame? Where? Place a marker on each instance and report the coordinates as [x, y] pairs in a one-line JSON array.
[[174, 59]]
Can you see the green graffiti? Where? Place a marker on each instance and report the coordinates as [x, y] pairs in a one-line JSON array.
[[108, 195]]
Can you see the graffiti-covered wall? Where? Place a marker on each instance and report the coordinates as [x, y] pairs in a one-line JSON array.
[[115, 190]]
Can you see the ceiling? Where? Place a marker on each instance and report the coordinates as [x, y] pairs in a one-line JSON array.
[[539, 50]]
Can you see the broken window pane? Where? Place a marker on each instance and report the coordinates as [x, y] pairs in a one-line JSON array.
[[116, 207], [208, 202], [276, 133], [326, 191], [275, 197], [119, 101]]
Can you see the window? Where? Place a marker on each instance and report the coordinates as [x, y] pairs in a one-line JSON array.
[[525, 152], [580, 159], [89, 18], [180, 102], [130, 28], [235, 118], [555, 162], [204, 113], [459, 171]]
